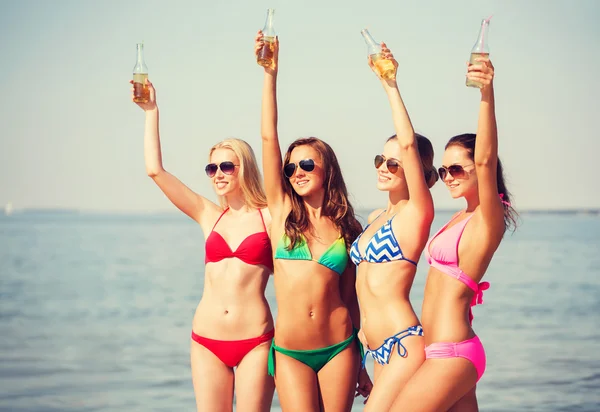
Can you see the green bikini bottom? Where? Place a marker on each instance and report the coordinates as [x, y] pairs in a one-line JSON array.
[[313, 358]]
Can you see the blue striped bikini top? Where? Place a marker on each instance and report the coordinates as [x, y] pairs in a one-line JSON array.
[[382, 247]]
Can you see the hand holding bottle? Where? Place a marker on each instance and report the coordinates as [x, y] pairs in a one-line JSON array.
[[140, 74], [480, 50], [267, 52], [379, 58], [481, 72], [384, 64], [147, 105]]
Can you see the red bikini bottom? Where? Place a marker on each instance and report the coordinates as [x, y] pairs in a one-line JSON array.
[[231, 352]]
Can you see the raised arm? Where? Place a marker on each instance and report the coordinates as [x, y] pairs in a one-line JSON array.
[[189, 202], [486, 146], [272, 164], [420, 196]]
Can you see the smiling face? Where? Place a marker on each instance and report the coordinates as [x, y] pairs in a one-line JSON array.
[[465, 183], [390, 180], [306, 183], [225, 184]]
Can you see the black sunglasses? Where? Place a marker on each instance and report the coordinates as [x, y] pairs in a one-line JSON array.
[[391, 164], [308, 165], [457, 171], [226, 167]]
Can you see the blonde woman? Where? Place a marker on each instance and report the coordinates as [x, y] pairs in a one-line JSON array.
[[233, 325]]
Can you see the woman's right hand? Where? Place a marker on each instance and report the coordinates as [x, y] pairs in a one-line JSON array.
[[151, 103], [258, 45], [482, 73], [386, 54]]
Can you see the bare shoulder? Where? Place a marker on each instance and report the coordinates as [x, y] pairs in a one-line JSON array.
[[455, 215], [266, 214], [210, 216], [373, 215]]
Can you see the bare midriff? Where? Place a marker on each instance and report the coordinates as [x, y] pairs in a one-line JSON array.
[[311, 313], [383, 292], [233, 305], [446, 306]]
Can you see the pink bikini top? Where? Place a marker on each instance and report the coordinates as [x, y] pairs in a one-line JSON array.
[[443, 255]]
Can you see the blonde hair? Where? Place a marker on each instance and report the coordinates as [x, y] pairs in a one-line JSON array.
[[249, 175]]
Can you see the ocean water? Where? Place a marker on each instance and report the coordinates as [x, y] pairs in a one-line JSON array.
[[96, 310]]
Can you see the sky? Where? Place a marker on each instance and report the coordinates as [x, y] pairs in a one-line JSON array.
[[70, 137]]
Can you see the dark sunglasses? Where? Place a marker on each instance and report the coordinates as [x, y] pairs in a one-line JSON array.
[[391, 164], [308, 165], [457, 171], [226, 167]]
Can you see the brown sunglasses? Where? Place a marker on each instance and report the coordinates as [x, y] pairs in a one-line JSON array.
[[457, 171], [391, 164]]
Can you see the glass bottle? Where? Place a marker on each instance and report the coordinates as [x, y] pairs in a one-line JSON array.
[[480, 49], [384, 67], [265, 55], [141, 94]]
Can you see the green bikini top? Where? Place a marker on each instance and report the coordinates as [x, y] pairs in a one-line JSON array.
[[334, 258]]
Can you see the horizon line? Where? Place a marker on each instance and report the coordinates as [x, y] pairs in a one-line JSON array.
[[67, 210]]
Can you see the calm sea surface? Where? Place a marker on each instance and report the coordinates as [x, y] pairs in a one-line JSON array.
[[96, 311]]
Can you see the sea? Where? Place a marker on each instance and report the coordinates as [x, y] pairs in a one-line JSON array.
[[96, 311]]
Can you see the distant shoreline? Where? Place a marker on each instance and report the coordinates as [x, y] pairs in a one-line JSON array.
[[67, 212]]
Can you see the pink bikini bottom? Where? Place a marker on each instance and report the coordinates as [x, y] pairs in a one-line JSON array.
[[470, 349]]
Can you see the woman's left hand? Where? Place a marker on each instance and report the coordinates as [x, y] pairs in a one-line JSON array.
[[363, 385]]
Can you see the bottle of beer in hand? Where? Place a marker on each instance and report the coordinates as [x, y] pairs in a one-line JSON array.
[[480, 49], [384, 68], [141, 94], [265, 55]]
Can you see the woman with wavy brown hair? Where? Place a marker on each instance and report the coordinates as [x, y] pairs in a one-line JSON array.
[[459, 255], [315, 348]]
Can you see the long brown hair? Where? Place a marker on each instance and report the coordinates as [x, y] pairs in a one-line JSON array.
[[336, 205], [467, 142]]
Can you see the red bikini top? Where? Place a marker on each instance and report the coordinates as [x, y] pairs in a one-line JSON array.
[[254, 250]]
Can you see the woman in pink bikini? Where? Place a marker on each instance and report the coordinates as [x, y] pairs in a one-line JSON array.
[[459, 255], [232, 326]]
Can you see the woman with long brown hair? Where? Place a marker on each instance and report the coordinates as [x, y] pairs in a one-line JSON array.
[[315, 354], [459, 255]]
